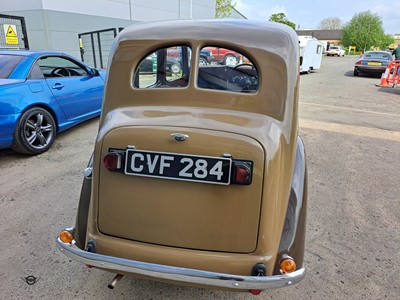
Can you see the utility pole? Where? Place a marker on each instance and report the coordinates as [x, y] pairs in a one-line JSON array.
[[366, 40]]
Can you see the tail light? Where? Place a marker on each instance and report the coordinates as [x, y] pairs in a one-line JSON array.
[[113, 161], [242, 171], [359, 62]]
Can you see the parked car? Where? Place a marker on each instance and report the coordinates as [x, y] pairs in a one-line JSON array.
[[224, 56], [335, 50], [206, 57], [42, 94], [198, 179], [372, 62], [174, 61]]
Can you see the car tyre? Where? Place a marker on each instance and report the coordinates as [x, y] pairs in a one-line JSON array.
[[230, 60], [355, 73], [176, 68], [202, 62], [35, 132]]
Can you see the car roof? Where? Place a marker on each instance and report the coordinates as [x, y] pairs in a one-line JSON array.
[[240, 33], [31, 53], [273, 48]]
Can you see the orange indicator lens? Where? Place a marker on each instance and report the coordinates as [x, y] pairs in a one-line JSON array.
[[288, 265], [66, 236]]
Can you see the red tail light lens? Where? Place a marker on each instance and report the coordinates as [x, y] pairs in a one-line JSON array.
[[242, 172], [256, 292], [359, 62], [113, 161]]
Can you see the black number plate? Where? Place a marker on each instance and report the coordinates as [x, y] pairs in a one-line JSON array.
[[186, 167]]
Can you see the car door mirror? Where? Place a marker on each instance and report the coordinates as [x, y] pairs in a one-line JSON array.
[[94, 72]]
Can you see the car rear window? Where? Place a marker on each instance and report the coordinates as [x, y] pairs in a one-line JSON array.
[[377, 55], [227, 70], [8, 64], [164, 68]]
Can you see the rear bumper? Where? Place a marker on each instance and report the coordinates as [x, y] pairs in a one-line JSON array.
[[370, 69], [197, 277]]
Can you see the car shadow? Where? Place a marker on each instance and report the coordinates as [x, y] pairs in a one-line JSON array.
[[368, 75], [390, 90]]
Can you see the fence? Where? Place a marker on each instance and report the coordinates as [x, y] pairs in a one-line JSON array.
[[13, 33], [95, 46]]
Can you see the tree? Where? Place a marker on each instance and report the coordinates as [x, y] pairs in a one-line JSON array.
[[223, 8], [281, 18], [365, 30], [331, 24]]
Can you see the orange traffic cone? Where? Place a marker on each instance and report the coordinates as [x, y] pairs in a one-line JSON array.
[[384, 79]]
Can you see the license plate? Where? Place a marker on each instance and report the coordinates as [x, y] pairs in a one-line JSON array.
[[371, 63], [185, 167]]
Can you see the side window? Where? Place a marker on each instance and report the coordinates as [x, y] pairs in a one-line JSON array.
[[319, 49], [36, 72], [164, 68], [227, 70], [55, 66]]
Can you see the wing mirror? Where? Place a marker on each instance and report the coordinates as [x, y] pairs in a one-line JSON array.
[[94, 72]]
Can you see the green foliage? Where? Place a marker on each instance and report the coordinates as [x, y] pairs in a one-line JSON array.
[[223, 8], [387, 40], [365, 31], [281, 18]]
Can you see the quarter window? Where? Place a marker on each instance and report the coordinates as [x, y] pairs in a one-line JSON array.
[[8, 64]]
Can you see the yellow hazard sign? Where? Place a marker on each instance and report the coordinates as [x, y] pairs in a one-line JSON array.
[[10, 31]]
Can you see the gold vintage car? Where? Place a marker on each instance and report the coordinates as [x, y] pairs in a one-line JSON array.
[[198, 175]]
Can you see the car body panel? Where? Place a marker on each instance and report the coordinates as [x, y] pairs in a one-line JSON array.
[[208, 220], [196, 225], [76, 99]]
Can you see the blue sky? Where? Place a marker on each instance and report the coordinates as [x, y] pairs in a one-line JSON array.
[[308, 13]]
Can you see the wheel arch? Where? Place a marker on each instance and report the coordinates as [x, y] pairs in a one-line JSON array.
[[83, 206], [293, 233], [44, 106]]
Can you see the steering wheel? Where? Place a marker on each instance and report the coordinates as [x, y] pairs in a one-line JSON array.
[[242, 78], [60, 72]]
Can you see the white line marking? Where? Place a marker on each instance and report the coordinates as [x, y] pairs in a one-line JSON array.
[[351, 109], [351, 129]]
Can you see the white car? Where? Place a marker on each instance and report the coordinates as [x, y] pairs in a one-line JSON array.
[[335, 50]]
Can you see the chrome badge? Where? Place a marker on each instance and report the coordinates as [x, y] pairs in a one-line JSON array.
[[180, 137]]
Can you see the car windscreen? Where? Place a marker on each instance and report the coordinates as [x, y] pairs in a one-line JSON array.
[[8, 64], [377, 55]]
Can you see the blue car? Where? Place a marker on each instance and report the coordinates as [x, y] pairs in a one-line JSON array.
[[44, 93]]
